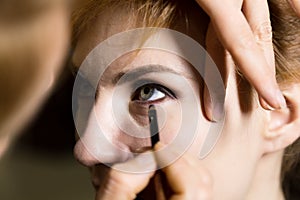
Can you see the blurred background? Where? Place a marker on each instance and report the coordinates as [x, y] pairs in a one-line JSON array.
[[40, 163]]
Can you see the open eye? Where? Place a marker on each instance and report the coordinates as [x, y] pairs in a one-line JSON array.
[[151, 93]]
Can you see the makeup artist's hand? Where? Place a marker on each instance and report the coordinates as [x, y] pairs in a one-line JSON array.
[[184, 179], [243, 27], [124, 186]]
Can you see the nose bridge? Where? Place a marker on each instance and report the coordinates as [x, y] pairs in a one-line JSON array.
[[104, 142], [98, 146]]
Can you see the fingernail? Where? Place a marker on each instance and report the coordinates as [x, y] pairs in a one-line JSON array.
[[281, 99], [265, 105], [268, 107]]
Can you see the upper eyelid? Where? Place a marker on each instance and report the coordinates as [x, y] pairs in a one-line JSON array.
[[142, 82], [161, 88]]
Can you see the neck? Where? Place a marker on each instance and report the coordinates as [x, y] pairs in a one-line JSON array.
[[267, 183]]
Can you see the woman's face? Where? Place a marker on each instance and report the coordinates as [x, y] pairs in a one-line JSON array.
[[169, 80]]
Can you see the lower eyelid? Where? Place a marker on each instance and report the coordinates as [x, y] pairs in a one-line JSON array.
[[143, 103], [139, 112]]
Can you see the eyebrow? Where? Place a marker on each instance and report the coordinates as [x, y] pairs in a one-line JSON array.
[[130, 75]]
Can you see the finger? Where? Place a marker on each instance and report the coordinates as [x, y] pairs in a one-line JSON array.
[[295, 4], [236, 36], [258, 17], [127, 184], [162, 190], [195, 183]]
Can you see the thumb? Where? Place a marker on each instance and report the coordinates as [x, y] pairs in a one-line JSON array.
[[125, 180]]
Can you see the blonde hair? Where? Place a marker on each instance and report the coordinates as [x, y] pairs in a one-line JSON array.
[[286, 40], [164, 13]]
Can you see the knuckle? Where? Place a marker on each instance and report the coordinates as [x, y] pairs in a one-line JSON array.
[[244, 42], [263, 32]]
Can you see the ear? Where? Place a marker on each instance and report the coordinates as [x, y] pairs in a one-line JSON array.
[[284, 124]]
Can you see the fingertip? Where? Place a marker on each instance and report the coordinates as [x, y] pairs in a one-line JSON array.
[[270, 95], [159, 145], [274, 101], [264, 104]]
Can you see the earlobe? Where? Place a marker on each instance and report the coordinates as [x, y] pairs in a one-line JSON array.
[[284, 124]]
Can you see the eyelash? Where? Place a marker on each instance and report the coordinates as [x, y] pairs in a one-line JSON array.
[[166, 91]]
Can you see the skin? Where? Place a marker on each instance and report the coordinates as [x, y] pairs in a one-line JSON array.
[[243, 27], [255, 24], [245, 163]]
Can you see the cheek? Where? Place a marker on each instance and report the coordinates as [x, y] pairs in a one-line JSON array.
[[139, 113], [168, 116], [235, 157], [170, 121], [123, 129], [123, 126]]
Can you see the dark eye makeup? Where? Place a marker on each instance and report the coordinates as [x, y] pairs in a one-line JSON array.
[[151, 93]]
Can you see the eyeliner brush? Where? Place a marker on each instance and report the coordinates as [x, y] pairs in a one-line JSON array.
[[154, 131]]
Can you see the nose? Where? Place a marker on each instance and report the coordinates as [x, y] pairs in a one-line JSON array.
[[98, 144], [89, 153], [83, 155]]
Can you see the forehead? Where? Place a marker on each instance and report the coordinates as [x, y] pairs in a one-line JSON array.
[[147, 61], [119, 19]]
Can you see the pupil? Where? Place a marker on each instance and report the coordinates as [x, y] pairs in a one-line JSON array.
[[146, 90], [146, 93]]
